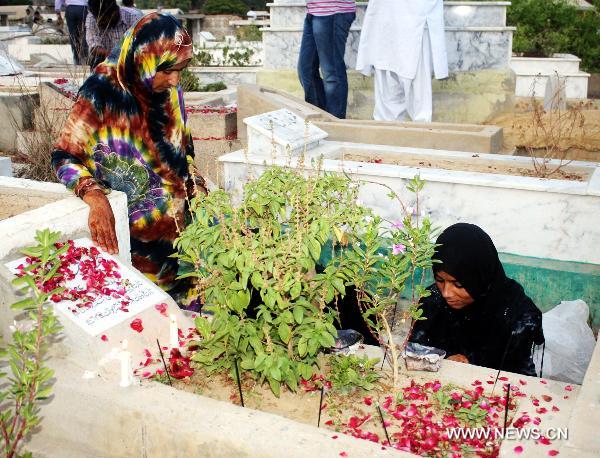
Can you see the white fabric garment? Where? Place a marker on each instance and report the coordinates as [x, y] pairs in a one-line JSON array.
[[396, 97], [401, 42], [392, 34]]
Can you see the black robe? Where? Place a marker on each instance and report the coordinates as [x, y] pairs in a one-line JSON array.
[[498, 330]]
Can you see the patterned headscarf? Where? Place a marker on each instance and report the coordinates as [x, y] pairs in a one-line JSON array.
[[128, 138]]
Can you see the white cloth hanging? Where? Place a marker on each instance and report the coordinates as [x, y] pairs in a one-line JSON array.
[[392, 34], [396, 97], [401, 42]]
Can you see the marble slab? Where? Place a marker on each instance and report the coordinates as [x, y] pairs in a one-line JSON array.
[[6, 167], [462, 14], [281, 132], [527, 216], [468, 49]]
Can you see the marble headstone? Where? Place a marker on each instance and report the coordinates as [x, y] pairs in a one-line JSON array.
[[281, 133]]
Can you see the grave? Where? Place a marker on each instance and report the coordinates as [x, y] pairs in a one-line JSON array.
[[254, 100], [481, 84], [556, 220], [90, 414]]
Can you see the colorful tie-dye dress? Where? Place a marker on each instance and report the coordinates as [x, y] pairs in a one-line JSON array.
[[128, 138]]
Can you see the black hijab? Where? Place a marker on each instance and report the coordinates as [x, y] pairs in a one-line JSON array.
[[500, 327]]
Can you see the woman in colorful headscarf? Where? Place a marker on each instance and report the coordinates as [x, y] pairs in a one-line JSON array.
[[127, 132], [475, 312]]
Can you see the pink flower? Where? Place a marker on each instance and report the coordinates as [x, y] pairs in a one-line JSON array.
[[136, 325], [398, 248], [398, 224], [162, 309]]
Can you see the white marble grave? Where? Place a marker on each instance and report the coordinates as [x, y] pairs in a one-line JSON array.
[[281, 133], [524, 215], [477, 37]]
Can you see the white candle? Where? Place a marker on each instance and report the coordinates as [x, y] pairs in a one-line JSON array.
[[173, 332], [126, 368]]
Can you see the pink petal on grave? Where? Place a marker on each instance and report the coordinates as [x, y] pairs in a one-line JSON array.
[[569, 388], [136, 325], [518, 449], [552, 452], [104, 338]]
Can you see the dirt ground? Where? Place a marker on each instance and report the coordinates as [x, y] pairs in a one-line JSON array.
[[573, 134]]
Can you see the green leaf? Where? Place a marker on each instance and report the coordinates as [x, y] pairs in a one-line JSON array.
[[298, 314], [302, 347], [284, 332], [275, 388], [24, 304]]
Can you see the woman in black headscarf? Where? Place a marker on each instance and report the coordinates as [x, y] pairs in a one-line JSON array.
[[475, 312]]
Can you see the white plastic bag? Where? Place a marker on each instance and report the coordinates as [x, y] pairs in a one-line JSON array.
[[569, 342]]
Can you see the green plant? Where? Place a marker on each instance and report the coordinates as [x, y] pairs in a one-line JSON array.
[[183, 5], [213, 87], [544, 27], [266, 251], [248, 33], [202, 58], [236, 7], [351, 372], [189, 82], [237, 58], [385, 262], [30, 380]]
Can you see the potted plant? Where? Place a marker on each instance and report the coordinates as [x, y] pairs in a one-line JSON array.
[[256, 265]]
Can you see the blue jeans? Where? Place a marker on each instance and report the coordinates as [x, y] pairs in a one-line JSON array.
[[323, 44], [75, 17]]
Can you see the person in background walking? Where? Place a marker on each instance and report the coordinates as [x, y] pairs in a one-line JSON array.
[[105, 25], [326, 29], [75, 12]]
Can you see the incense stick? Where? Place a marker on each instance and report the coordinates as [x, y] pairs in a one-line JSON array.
[[383, 424], [237, 376], [164, 363], [506, 407], [321, 405], [502, 361]]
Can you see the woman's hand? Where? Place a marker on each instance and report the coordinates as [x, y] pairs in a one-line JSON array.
[[101, 221], [458, 358]]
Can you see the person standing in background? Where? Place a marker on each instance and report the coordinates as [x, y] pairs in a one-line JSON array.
[[75, 13], [326, 28], [105, 25], [130, 5], [400, 42]]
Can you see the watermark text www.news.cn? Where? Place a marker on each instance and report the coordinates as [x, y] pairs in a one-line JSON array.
[[509, 433]]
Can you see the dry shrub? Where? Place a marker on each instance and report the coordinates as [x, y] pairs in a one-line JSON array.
[[551, 134]]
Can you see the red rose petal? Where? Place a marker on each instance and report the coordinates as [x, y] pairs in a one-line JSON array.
[[546, 398], [553, 452], [162, 309], [104, 338], [136, 325], [555, 409], [543, 381], [334, 437], [569, 388], [522, 382], [518, 449], [343, 454]]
